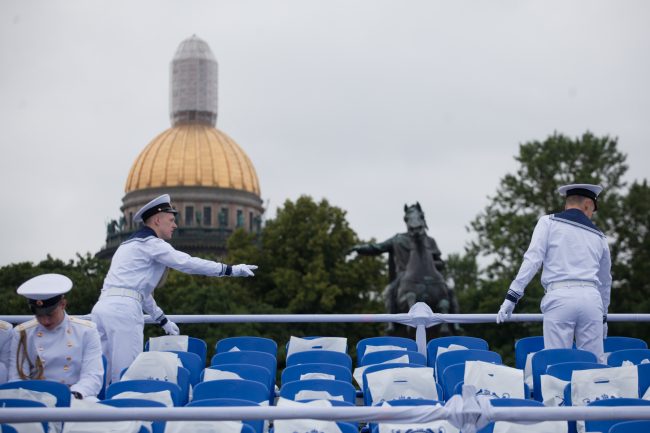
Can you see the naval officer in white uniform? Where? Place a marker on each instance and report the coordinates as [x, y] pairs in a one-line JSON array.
[[137, 268], [576, 274], [54, 346]]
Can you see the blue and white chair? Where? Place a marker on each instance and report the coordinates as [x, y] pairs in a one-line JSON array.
[[259, 344]]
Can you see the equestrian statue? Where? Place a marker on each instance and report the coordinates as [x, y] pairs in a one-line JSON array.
[[415, 270]]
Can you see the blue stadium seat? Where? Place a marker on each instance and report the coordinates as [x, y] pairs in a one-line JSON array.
[[374, 428], [259, 344], [157, 426], [231, 388], [367, 396], [461, 340], [333, 387], [527, 345], [253, 357], [244, 371], [255, 425], [294, 372], [6, 428], [631, 427], [192, 362], [145, 385], [644, 378], [458, 356], [59, 390], [612, 344], [564, 370], [194, 345], [452, 376], [509, 402], [182, 380], [406, 343], [542, 359], [605, 425], [320, 356], [311, 337], [635, 356], [387, 355], [16, 402]]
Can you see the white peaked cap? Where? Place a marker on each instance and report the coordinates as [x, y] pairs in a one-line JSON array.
[[161, 203], [45, 286]]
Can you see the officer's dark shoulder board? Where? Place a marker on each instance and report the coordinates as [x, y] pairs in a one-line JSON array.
[[27, 325], [576, 218], [83, 322]]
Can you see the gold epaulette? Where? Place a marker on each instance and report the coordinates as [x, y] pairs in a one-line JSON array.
[[5, 325], [87, 323], [25, 326]]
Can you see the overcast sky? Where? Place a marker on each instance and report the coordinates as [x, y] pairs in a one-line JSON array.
[[370, 104]]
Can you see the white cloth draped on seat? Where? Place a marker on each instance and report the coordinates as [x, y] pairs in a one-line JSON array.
[[304, 425], [334, 344], [402, 383], [179, 343], [154, 366]]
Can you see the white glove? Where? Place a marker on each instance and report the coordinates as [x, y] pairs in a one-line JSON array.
[[171, 328], [243, 271], [505, 311]]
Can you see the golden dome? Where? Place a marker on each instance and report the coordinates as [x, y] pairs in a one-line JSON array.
[[193, 155]]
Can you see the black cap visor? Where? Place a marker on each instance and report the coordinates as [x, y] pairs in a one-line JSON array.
[[43, 307]]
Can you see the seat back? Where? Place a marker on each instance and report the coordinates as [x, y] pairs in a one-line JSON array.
[[16, 402], [367, 395], [564, 370], [386, 355], [527, 345], [644, 378], [509, 402], [457, 356], [406, 402], [612, 344], [320, 356], [542, 359], [6, 428], [631, 427], [145, 385], [157, 426], [244, 371], [259, 344], [635, 356], [192, 362], [194, 345], [253, 357], [333, 387], [257, 425], [231, 388], [605, 425], [59, 390], [452, 376], [406, 343], [461, 340], [295, 372]]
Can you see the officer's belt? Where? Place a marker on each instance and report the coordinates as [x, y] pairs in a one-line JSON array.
[[118, 291], [569, 283]]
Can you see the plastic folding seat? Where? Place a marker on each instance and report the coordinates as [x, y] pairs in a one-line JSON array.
[[527, 345], [452, 376], [631, 427], [333, 387], [59, 390], [509, 402], [145, 385], [6, 428], [255, 425], [644, 378], [259, 344], [231, 388], [457, 356], [635, 356], [461, 340], [16, 402], [378, 342], [387, 355], [194, 345], [244, 371], [374, 428], [367, 397], [605, 425], [182, 380], [156, 426], [612, 344], [261, 359], [320, 356], [564, 370], [542, 359], [192, 362], [294, 372]]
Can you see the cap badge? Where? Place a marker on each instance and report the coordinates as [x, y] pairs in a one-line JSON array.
[[39, 303]]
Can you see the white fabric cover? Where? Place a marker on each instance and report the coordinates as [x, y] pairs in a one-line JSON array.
[[540, 427], [372, 349], [433, 427], [46, 398], [101, 427], [164, 397], [326, 376], [451, 347], [154, 366], [216, 374], [492, 380], [179, 343], [203, 426], [528, 370], [307, 394], [402, 383], [358, 372], [552, 390], [304, 425], [335, 344], [234, 349]]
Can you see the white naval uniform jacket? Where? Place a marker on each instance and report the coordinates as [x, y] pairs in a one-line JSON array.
[[140, 262], [6, 335], [71, 354], [570, 247]]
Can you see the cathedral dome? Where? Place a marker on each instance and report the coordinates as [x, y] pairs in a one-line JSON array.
[[193, 155]]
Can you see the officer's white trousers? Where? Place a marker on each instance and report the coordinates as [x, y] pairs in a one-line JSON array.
[[574, 312], [120, 323]]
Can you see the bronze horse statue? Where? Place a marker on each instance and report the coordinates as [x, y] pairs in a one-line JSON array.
[[414, 269]]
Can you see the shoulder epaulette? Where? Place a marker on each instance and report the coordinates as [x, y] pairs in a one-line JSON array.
[[87, 323], [27, 325], [5, 325]]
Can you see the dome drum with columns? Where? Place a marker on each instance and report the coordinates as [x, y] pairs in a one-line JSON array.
[[211, 180]]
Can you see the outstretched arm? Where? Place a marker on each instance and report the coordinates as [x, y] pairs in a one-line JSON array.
[[373, 249]]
